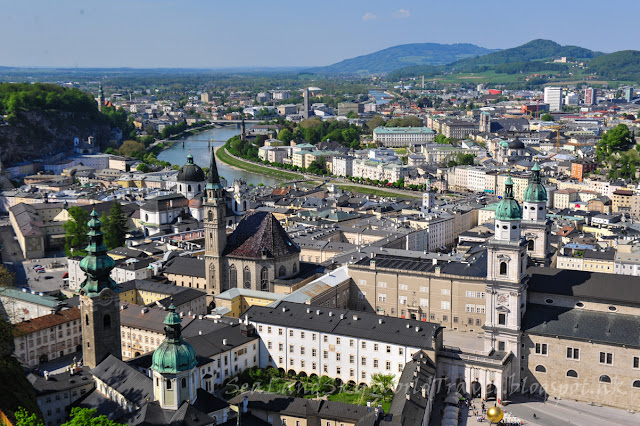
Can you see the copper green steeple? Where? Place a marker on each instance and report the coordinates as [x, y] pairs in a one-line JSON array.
[[535, 192], [214, 178], [96, 264], [174, 354], [508, 208]]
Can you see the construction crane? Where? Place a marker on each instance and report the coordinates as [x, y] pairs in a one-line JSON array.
[[557, 127]]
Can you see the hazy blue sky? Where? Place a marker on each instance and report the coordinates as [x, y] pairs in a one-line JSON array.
[[213, 33]]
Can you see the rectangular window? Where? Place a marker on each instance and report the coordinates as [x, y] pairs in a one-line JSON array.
[[445, 291], [269, 345], [424, 303], [291, 349], [375, 363], [313, 337], [403, 287], [351, 343], [281, 347], [314, 352], [364, 345], [606, 358], [470, 293], [388, 365], [636, 362], [338, 356], [375, 347], [445, 305], [302, 334], [480, 309], [502, 319], [402, 300], [279, 332], [573, 353], [424, 289], [352, 359], [325, 339], [470, 308], [541, 349], [363, 361], [269, 330], [382, 298], [382, 284], [325, 354]]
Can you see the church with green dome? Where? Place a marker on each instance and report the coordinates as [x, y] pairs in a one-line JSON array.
[[174, 366]]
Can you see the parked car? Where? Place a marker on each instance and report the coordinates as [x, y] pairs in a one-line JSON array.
[[37, 267]]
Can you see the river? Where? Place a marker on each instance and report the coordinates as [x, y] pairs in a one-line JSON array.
[[379, 96], [177, 154]]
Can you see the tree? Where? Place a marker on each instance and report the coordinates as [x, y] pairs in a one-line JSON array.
[[7, 278], [383, 384], [442, 139], [547, 117], [76, 229], [115, 227], [285, 135], [376, 121], [79, 417], [143, 167], [614, 140], [131, 148], [464, 159]]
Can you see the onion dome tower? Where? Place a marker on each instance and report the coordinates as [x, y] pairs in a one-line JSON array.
[[99, 300], [536, 228], [174, 366], [191, 179]]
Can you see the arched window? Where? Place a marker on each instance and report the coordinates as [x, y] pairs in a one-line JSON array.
[[531, 245], [246, 277], [295, 268], [244, 205], [146, 217], [106, 322], [235, 205], [233, 277], [168, 384], [636, 384], [199, 188], [264, 279], [503, 268], [572, 373], [210, 215], [604, 379], [189, 188], [183, 382], [541, 369], [282, 271], [212, 274], [86, 320]]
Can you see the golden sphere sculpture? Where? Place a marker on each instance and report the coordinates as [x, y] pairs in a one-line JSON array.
[[495, 414]]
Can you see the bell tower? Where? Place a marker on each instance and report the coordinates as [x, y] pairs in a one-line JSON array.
[[99, 301], [506, 278], [536, 228], [215, 228]]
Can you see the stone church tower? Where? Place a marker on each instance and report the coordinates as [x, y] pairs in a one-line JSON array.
[[99, 301], [536, 228], [215, 205], [506, 279]]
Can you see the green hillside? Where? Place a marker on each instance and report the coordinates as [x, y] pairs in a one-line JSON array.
[[396, 57], [526, 58], [622, 65]]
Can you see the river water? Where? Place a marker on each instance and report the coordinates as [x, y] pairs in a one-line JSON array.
[[198, 144], [378, 95]]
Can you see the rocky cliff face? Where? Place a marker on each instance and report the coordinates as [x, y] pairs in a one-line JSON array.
[[39, 134]]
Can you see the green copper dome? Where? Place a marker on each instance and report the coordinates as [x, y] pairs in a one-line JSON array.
[[535, 192], [96, 264], [174, 354], [508, 208]]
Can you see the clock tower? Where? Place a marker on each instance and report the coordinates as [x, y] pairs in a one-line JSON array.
[[215, 229], [99, 301], [506, 279], [536, 228]]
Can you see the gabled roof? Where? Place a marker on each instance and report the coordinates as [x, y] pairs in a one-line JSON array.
[[46, 321], [257, 233], [126, 380]]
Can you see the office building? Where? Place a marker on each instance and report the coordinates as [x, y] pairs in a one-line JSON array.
[[553, 97]]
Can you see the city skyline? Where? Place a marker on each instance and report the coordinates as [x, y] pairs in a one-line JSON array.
[[200, 34]]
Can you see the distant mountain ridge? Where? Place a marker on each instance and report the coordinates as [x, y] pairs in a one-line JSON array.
[[527, 56], [396, 57]]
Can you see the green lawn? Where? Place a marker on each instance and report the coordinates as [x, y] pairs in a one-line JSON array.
[[255, 168], [376, 191], [359, 398]]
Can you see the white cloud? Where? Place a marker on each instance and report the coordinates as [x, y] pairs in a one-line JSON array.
[[401, 13], [369, 16]]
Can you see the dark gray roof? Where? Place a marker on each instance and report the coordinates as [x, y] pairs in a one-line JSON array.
[[581, 324], [585, 285], [342, 322], [301, 407], [180, 295], [420, 371], [600, 255], [104, 406], [186, 415], [126, 380], [59, 382], [188, 266]]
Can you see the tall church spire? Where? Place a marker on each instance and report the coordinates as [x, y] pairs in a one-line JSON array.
[[214, 178], [96, 264], [99, 301]]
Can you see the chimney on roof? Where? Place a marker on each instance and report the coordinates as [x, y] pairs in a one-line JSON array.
[[308, 310], [318, 312], [284, 309], [355, 318], [224, 342], [380, 321], [408, 325], [330, 313], [199, 332], [46, 375], [417, 328]]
